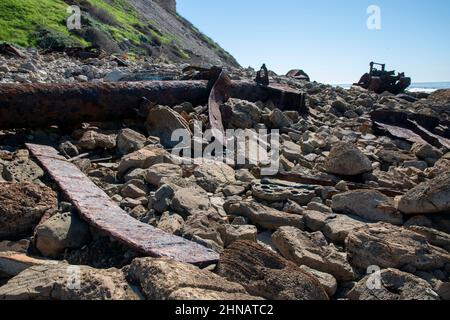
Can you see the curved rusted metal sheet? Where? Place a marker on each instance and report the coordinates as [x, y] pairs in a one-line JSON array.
[[219, 94], [97, 209]]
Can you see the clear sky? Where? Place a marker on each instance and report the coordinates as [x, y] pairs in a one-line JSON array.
[[330, 39]]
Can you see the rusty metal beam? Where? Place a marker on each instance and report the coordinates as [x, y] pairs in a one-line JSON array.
[[97, 209], [41, 105]]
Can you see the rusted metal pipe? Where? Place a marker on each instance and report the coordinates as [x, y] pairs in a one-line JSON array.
[[40, 105]]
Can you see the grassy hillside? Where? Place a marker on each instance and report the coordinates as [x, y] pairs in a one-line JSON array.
[[113, 25]]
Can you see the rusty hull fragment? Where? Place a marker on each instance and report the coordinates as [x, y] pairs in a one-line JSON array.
[[97, 209], [412, 127]]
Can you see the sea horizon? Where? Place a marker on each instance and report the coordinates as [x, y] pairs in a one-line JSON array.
[[428, 87]]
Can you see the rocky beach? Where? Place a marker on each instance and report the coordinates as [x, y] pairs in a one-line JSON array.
[[350, 198], [97, 203]]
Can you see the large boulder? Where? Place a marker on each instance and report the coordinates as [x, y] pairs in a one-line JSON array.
[[368, 204], [312, 250], [392, 284], [22, 206], [61, 281], [432, 196], [60, 232], [389, 246], [262, 216], [240, 114], [345, 159], [164, 279], [266, 274]]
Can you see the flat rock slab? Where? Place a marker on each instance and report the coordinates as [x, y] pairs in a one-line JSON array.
[[96, 207]]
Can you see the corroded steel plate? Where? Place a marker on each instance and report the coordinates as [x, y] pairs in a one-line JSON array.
[[97, 209]]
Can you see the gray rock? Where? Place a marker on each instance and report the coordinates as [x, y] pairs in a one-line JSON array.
[[134, 189], [163, 198], [262, 216], [60, 281], [443, 290], [190, 200], [347, 160], [163, 121], [171, 223], [394, 285], [205, 226], [335, 227], [158, 174], [143, 159], [327, 281], [426, 151], [368, 204], [92, 140], [312, 250], [244, 175], [388, 246], [211, 176], [60, 232], [231, 233], [129, 141], [279, 120], [163, 279], [241, 114], [22, 171], [432, 196]]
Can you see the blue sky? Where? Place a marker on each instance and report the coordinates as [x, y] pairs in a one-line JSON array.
[[329, 39]]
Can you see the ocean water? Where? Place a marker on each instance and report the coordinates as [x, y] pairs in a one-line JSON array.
[[428, 87]]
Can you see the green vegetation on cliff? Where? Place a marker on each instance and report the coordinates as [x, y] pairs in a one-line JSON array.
[[113, 25]]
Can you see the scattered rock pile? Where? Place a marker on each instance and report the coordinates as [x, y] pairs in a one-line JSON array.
[[348, 198]]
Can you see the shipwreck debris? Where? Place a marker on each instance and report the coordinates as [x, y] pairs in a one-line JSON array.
[[10, 50], [40, 105], [380, 81], [262, 76], [96, 208], [413, 127]]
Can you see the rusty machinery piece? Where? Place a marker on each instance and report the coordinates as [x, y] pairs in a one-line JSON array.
[[412, 126], [41, 105], [262, 76], [298, 74], [10, 50], [97, 209], [380, 81], [219, 94]]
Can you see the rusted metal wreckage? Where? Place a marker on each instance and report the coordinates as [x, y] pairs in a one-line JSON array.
[[380, 81], [96, 208], [413, 127], [41, 105]]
